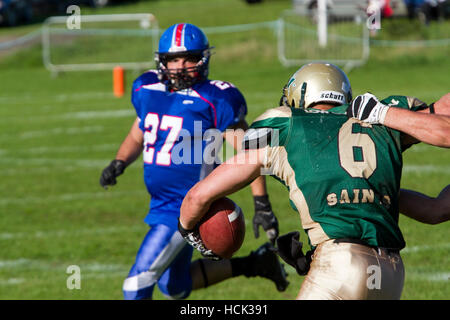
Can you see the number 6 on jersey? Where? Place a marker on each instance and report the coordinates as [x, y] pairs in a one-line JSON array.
[[357, 153]]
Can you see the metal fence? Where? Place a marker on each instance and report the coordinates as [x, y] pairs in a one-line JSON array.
[[99, 42], [345, 43], [103, 42]]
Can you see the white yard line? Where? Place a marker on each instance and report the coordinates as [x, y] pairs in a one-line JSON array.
[[24, 98], [103, 114], [59, 131], [69, 197], [78, 149], [61, 167], [52, 132], [20, 166], [42, 150], [83, 95], [412, 249], [12, 281], [441, 169], [428, 276], [36, 264], [39, 234], [86, 115], [45, 162]]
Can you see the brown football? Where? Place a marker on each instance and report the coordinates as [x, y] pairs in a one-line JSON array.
[[222, 228]]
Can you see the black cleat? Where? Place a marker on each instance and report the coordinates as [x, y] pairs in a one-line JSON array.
[[265, 264]]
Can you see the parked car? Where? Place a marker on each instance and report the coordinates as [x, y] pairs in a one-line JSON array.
[[14, 12]]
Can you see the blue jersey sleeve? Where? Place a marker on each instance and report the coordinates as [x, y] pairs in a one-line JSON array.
[[146, 78], [231, 105]]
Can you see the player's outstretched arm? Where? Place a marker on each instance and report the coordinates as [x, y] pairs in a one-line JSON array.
[[264, 216], [229, 177], [433, 129], [426, 209], [128, 152]]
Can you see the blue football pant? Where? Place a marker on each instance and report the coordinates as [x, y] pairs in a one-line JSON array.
[[163, 258]]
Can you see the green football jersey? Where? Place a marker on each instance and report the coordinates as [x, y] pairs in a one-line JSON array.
[[343, 175]]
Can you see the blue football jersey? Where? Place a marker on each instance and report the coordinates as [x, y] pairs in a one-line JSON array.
[[175, 126]]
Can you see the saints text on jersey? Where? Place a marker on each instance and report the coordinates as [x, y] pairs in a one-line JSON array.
[[356, 196]]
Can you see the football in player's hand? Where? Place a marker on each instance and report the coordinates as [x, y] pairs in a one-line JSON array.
[[222, 228]]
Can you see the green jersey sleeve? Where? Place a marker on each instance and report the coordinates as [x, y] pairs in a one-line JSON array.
[[405, 102]]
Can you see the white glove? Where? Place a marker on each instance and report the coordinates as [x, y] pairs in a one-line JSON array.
[[367, 108]]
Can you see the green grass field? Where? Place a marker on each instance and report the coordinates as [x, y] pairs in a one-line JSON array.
[[57, 134]]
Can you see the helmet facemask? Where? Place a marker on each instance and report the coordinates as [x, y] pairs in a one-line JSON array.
[[183, 78]]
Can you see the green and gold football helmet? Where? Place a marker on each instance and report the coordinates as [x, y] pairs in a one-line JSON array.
[[316, 83]]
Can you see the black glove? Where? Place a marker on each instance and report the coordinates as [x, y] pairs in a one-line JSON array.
[[193, 238], [265, 217], [367, 108], [289, 248], [109, 174]]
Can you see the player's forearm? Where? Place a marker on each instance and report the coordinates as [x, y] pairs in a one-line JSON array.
[[235, 138], [443, 201], [194, 207], [423, 208], [432, 129], [229, 177], [258, 186], [129, 152], [132, 146], [415, 205]]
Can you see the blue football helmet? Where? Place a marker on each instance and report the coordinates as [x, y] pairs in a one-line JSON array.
[[183, 40]]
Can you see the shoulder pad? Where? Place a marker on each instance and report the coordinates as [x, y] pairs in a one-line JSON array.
[[279, 112], [222, 85], [148, 77], [258, 138]]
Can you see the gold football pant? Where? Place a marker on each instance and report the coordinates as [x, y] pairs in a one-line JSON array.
[[349, 271]]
